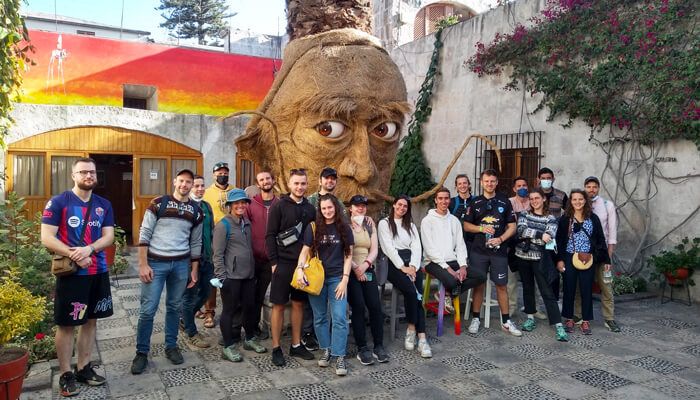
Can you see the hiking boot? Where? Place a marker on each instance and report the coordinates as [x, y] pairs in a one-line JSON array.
[[139, 364], [67, 384], [409, 342], [232, 354], [301, 352], [262, 334], [380, 354], [309, 341], [612, 325], [569, 326], [278, 357], [529, 325], [474, 326], [198, 341], [88, 375], [325, 359], [424, 348], [586, 328], [561, 334], [510, 327], [173, 354], [340, 368], [253, 345], [365, 356]]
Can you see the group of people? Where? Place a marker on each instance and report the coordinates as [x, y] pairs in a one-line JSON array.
[[200, 239]]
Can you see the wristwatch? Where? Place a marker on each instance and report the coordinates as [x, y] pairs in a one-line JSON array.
[[92, 250]]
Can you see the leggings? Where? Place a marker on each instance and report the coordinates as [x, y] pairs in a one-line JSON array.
[[237, 293], [361, 295], [414, 307]]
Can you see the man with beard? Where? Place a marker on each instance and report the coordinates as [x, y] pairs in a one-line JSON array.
[[215, 195], [327, 183], [85, 295], [287, 220], [196, 296], [170, 246], [257, 213]]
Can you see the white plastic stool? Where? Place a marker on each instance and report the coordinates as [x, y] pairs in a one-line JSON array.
[[485, 307]]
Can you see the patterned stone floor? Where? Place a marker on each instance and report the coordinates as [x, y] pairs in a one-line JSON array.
[[656, 356]]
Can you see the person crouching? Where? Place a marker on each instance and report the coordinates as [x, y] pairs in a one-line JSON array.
[[234, 271]]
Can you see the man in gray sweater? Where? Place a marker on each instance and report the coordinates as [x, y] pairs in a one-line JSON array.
[[170, 247]]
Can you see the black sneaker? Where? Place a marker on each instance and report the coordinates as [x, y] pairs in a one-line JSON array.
[[261, 334], [301, 352], [68, 385], [380, 354], [612, 325], [173, 354], [278, 357], [88, 375], [365, 356], [309, 341], [139, 364]]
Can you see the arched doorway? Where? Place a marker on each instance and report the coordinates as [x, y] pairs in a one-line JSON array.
[[133, 167]]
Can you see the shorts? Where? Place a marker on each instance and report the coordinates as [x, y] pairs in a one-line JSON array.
[[82, 297], [496, 264], [280, 287]]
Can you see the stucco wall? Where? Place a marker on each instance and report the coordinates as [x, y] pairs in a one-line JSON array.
[[463, 103], [210, 135]]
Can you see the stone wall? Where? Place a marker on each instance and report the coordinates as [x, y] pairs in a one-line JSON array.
[[463, 103]]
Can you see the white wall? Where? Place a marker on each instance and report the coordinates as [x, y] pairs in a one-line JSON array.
[[463, 103]]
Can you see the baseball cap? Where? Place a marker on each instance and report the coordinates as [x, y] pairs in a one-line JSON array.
[[236, 195], [185, 171], [220, 165], [328, 171], [591, 179], [358, 199]]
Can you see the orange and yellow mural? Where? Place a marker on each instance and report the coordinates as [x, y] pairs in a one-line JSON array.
[[81, 70]]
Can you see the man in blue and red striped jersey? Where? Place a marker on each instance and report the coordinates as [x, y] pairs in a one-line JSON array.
[[84, 296]]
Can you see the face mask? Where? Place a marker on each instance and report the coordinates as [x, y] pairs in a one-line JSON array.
[[546, 183], [195, 198], [522, 192], [222, 179], [358, 219]]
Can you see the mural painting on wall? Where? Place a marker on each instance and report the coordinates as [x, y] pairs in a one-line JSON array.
[[338, 101], [82, 70]]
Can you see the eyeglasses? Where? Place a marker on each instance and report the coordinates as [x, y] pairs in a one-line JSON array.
[[86, 173]]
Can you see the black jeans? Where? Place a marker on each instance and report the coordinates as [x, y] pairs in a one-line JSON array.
[[584, 279], [531, 272], [474, 277], [237, 293], [361, 295], [263, 276], [414, 307]]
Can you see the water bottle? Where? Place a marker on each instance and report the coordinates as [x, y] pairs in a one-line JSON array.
[[487, 237], [607, 276]]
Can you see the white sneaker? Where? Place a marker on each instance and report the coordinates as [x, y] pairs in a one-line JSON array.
[[424, 349], [511, 328], [474, 326], [410, 342]]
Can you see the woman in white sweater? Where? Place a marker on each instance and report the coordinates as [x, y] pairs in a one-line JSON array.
[[400, 242]]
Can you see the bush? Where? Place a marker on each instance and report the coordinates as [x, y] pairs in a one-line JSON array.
[[19, 309], [623, 284]]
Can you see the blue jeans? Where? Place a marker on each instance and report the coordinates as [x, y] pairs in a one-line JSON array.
[[173, 275], [336, 340], [196, 296]]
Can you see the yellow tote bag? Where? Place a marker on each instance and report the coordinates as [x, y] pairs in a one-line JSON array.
[[314, 273]]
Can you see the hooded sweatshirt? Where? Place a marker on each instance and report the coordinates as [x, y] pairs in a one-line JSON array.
[[442, 239]]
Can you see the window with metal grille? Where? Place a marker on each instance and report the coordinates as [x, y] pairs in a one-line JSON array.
[[520, 156]]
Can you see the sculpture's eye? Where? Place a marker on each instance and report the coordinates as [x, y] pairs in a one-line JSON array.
[[385, 130], [330, 129]]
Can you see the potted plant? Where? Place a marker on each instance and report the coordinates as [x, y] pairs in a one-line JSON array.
[[677, 264], [19, 310], [117, 247]]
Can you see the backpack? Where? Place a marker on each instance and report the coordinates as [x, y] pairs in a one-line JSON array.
[[227, 225]]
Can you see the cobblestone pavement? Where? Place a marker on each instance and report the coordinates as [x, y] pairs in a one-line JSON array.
[[656, 356]]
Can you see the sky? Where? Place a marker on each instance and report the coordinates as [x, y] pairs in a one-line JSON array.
[[257, 16]]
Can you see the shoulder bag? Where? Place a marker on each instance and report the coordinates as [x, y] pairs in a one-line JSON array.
[[314, 274], [62, 265], [581, 261]]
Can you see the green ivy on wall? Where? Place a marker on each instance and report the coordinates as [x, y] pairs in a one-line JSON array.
[[629, 64], [412, 175]]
